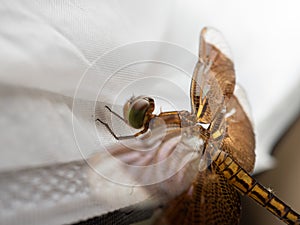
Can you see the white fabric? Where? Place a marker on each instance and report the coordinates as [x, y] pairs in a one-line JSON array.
[[47, 46]]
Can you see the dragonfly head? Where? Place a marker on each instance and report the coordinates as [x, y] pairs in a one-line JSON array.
[[138, 111]]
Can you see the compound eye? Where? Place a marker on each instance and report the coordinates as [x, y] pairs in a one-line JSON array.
[[135, 111]]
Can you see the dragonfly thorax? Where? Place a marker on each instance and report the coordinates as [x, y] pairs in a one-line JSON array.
[[192, 127], [190, 119]]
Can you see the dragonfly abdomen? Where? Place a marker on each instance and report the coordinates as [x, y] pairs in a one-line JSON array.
[[246, 184]]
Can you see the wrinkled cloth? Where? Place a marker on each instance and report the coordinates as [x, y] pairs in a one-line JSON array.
[[48, 47]]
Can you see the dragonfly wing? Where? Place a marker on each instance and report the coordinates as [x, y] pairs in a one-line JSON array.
[[213, 78], [209, 200], [239, 140], [241, 96]]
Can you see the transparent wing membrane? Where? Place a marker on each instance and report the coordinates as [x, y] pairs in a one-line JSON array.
[[203, 157], [213, 78]]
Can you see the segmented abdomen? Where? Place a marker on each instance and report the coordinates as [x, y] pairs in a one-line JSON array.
[[247, 185]]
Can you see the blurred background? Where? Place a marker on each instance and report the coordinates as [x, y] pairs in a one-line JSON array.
[[283, 179], [47, 48]]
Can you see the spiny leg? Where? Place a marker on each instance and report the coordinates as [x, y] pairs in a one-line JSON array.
[[120, 137], [116, 114]]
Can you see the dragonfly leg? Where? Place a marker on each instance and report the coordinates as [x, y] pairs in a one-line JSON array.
[[121, 137], [121, 118], [108, 128], [116, 114]]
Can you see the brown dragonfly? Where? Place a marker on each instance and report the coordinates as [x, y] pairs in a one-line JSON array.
[[228, 144]]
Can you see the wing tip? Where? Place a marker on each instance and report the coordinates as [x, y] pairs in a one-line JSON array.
[[214, 37]]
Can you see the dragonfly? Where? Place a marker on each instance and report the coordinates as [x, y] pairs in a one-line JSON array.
[[218, 118]]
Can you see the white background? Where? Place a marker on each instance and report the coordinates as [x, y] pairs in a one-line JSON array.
[[47, 46]]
